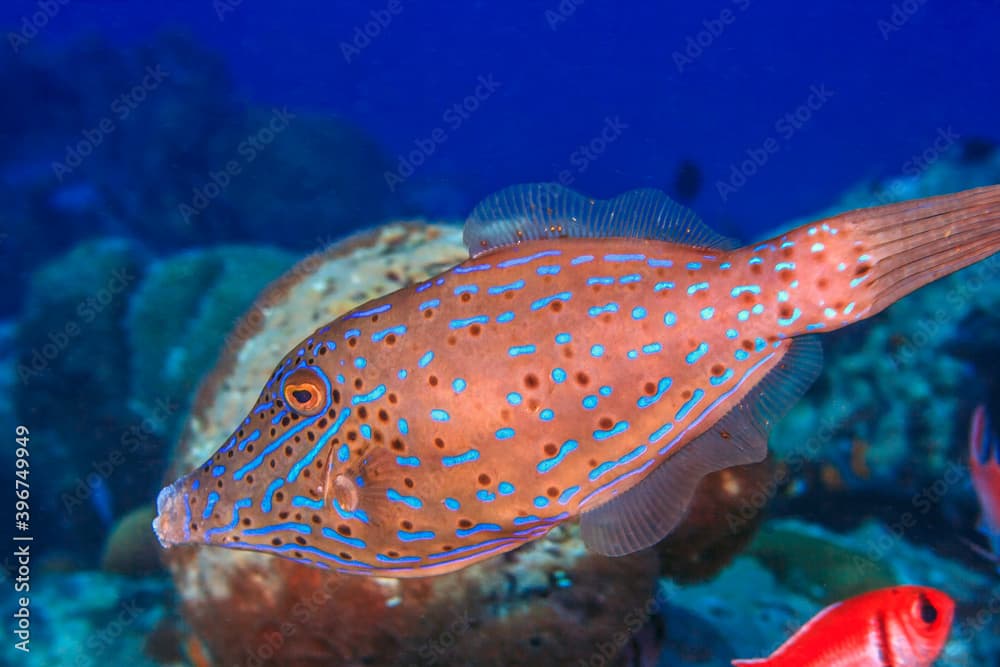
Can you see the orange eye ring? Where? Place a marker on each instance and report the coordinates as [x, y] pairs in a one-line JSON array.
[[305, 392]]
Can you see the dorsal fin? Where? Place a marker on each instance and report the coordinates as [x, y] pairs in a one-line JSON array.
[[643, 515], [548, 211]]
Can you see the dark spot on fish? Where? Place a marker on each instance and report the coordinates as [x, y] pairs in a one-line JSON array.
[[466, 297], [352, 341], [358, 383], [756, 269], [408, 483], [556, 306], [550, 449], [346, 556], [246, 521], [464, 523], [605, 422], [429, 313], [316, 519], [718, 369], [286, 421], [582, 379], [432, 381], [397, 445], [249, 479], [862, 270], [484, 479], [649, 388], [363, 412], [531, 381], [276, 541], [282, 515], [336, 399], [439, 443], [475, 330], [390, 339], [452, 340], [552, 492], [686, 394], [785, 311], [747, 344], [392, 398], [406, 525]]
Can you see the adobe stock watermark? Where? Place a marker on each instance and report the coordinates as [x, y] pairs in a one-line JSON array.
[[585, 154], [33, 24], [87, 310], [921, 504], [917, 164], [434, 651], [292, 623], [785, 127], [370, 30], [225, 7], [755, 502], [929, 329], [453, 118], [136, 439], [607, 652], [246, 152], [711, 29], [120, 109], [899, 15], [561, 13], [107, 636]]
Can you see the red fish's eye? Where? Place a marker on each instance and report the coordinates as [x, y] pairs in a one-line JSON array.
[[305, 392], [925, 610]]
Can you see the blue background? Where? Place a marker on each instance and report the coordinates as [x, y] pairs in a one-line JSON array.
[[562, 76]]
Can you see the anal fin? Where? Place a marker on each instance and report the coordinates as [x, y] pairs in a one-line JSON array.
[[646, 513]]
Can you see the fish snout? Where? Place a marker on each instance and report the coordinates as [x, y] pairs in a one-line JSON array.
[[171, 524]]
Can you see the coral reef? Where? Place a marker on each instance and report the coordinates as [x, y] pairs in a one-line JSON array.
[[86, 619], [71, 389], [131, 549], [178, 319]]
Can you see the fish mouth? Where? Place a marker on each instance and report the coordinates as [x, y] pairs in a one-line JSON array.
[[170, 525]]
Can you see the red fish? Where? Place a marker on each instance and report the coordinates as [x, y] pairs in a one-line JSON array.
[[984, 464], [903, 626]]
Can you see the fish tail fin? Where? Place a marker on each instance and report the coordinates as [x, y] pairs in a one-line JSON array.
[[831, 273], [901, 247]]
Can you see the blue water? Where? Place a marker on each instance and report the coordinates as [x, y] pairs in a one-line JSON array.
[[752, 113], [562, 73]]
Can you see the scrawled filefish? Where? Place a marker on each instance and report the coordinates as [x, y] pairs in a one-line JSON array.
[[591, 358]]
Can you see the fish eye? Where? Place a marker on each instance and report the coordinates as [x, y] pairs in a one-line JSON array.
[[305, 392], [926, 610]]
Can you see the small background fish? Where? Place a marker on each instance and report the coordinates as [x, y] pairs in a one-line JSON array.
[[984, 464]]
